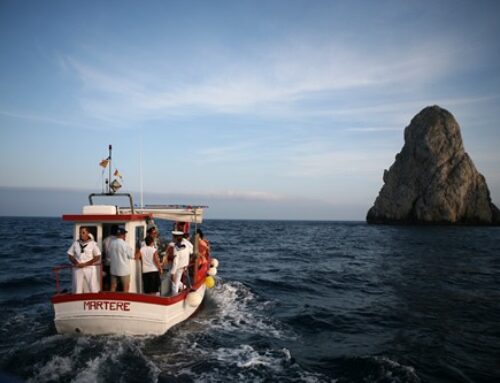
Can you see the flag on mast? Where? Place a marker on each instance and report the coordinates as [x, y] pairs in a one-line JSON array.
[[117, 174], [104, 163]]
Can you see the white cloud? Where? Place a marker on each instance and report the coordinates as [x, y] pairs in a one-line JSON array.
[[281, 75], [339, 163], [39, 118], [248, 195], [234, 195]]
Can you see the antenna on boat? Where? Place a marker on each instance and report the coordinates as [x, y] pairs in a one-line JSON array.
[[141, 174]]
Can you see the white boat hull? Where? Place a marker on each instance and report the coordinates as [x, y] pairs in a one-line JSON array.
[[122, 313]]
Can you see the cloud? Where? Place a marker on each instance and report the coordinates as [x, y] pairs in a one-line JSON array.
[[39, 118], [247, 195], [226, 195], [339, 163], [374, 129], [120, 89]]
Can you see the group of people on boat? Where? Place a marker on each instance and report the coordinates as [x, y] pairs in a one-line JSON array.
[[165, 268]]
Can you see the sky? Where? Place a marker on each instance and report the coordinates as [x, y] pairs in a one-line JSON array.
[[259, 109]]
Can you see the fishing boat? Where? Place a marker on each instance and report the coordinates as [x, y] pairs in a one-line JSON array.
[[132, 312]]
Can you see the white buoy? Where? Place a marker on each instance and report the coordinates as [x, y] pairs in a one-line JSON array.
[[214, 262], [212, 271], [194, 299]]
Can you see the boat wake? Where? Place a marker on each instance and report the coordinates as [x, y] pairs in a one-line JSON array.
[[233, 337], [233, 307]]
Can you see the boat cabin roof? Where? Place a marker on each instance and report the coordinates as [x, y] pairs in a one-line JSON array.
[[110, 213], [105, 217]]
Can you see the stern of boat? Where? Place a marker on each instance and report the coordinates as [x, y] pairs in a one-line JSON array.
[[123, 313]]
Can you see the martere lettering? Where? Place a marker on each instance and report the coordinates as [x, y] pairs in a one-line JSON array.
[[106, 305]]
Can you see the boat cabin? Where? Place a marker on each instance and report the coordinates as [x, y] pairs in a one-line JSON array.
[[100, 218]]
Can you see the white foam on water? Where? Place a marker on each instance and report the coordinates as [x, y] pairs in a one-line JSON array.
[[238, 310], [246, 363], [53, 370], [80, 365], [246, 356], [91, 371], [242, 363], [237, 314]]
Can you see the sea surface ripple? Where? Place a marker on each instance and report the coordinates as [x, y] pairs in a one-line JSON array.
[[295, 302]]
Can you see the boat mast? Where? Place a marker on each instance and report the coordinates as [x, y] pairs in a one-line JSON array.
[[109, 166]]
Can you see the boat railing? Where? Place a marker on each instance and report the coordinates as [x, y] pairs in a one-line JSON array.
[[56, 270]]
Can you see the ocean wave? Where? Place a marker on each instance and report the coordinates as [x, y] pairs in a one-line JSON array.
[[296, 301], [239, 363], [312, 322], [286, 284], [246, 363], [87, 359], [239, 310], [374, 369]]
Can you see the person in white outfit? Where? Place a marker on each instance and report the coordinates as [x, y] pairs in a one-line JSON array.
[[83, 254], [182, 253], [120, 255]]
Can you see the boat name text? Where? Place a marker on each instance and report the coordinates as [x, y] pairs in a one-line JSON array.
[[106, 305]]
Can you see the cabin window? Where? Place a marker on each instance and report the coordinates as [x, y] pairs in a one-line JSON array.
[[106, 228], [139, 236]]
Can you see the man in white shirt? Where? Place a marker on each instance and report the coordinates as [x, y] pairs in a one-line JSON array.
[[120, 254], [83, 254], [182, 253]]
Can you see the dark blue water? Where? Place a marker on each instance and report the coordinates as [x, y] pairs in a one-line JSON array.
[[296, 301]]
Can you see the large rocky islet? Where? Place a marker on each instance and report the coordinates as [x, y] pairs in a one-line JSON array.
[[433, 180]]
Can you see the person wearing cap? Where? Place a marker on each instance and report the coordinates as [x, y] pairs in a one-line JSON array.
[[181, 254], [83, 254], [181, 226], [184, 228], [120, 254]]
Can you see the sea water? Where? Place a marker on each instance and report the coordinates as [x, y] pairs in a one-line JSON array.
[[295, 302]]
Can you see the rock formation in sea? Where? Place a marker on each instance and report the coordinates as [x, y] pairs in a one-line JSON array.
[[433, 179]]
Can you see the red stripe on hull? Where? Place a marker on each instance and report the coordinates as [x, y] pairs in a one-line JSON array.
[[118, 296]]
